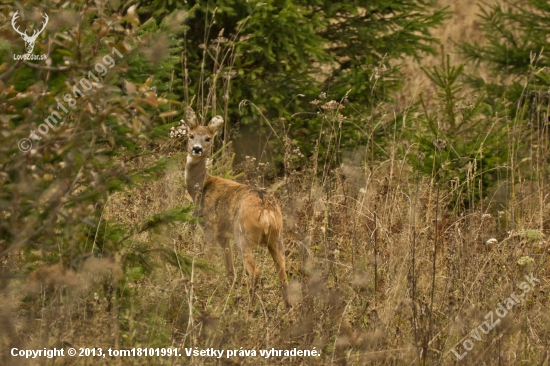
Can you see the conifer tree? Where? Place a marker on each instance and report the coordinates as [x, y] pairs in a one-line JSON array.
[[514, 46]]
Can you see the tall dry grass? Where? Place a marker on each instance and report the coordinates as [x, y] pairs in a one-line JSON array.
[[381, 272]]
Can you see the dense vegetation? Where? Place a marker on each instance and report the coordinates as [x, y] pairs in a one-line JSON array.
[[406, 221]]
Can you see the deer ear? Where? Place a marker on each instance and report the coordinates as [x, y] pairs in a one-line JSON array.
[[215, 124], [190, 118]]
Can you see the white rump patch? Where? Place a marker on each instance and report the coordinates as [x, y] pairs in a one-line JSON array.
[[266, 221]]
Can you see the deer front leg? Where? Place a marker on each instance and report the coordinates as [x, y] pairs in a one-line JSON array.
[[253, 272], [227, 257], [245, 247]]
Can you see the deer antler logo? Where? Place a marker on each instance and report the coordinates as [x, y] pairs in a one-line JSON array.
[[29, 40]]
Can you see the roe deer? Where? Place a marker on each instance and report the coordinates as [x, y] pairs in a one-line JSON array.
[[231, 210]]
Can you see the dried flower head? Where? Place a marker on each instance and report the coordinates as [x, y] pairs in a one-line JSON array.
[[332, 106], [340, 117], [297, 152], [440, 144], [179, 131], [525, 260]]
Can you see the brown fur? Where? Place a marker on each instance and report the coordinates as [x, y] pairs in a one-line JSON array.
[[232, 211], [49, 278]]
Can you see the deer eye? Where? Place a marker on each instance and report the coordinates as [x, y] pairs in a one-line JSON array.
[[191, 137], [207, 139]]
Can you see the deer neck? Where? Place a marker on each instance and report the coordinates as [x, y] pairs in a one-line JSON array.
[[195, 175]]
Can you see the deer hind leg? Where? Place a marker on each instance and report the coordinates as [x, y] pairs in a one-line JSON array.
[[277, 251], [227, 256], [245, 244]]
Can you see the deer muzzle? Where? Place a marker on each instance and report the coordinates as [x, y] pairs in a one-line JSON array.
[[196, 150]]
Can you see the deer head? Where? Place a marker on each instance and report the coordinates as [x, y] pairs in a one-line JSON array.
[[200, 137], [29, 40]]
